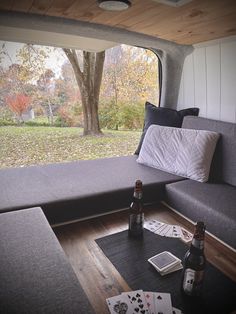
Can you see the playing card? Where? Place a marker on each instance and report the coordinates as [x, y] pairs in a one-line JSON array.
[[165, 262], [152, 225], [171, 270], [138, 299], [149, 296], [165, 230], [169, 231], [120, 304], [176, 232], [161, 228], [187, 236], [176, 311], [162, 302]]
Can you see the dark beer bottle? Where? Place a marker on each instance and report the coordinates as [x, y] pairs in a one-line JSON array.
[[194, 263], [136, 214]]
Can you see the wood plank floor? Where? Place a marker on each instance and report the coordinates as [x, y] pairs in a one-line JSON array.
[[98, 276]]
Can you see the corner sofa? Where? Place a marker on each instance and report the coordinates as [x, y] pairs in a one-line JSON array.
[[75, 190], [38, 278]]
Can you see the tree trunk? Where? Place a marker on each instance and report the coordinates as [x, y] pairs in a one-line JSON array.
[[89, 82], [50, 113]]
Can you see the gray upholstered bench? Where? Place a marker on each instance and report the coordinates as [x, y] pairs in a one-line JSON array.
[[70, 191], [215, 201], [36, 276], [74, 190]]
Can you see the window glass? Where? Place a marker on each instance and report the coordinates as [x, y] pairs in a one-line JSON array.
[[43, 102]]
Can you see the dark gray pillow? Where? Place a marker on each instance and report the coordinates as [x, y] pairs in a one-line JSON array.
[[165, 117]]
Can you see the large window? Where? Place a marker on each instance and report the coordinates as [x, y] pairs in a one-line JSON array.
[[41, 109]]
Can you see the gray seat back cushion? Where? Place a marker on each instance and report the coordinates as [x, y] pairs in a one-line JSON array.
[[223, 167]]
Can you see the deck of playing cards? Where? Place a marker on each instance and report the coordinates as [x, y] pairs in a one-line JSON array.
[[165, 263], [166, 230], [142, 302]]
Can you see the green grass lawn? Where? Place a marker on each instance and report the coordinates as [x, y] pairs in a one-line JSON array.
[[24, 146]]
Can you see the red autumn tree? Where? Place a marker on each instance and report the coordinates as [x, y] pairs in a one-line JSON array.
[[18, 103]]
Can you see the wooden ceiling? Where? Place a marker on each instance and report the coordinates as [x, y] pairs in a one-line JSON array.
[[197, 21]]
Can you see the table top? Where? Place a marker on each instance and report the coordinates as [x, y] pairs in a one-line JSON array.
[[98, 276]]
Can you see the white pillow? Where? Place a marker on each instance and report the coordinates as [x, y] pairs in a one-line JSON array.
[[184, 152]]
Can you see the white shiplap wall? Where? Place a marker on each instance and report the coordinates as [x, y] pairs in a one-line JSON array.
[[209, 80]]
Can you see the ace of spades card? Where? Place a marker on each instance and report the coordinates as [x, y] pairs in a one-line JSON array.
[[162, 303], [137, 299]]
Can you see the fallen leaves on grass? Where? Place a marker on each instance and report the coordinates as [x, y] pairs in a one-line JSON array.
[[24, 146]]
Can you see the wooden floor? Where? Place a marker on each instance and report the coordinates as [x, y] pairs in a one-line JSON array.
[[98, 276]]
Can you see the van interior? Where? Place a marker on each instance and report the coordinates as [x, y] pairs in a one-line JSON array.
[[65, 246]]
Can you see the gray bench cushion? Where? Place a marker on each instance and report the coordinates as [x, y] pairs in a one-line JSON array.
[[68, 191], [36, 276], [224, 160], [215, 204]]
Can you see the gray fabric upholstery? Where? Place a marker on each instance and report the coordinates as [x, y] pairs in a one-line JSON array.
[[224, 160], [36, 276], [215, 204], [68, 191], [184, 152]]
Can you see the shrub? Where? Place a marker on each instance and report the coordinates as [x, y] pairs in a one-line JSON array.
[[60, 122], [123, 115], [69, 115], [6, 123], [37, 123], [109, 116], [6, 117], [132, 116]]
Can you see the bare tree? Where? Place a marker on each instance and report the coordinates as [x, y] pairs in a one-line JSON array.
[[89, 78]]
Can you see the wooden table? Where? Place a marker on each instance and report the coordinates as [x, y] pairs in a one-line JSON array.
[[98, 277]]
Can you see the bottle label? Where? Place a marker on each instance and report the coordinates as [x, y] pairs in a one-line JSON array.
[[199, 244], [138, 194], [192, 282], [136, 221]]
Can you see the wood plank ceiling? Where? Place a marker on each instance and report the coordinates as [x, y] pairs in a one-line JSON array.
[[197, 21]]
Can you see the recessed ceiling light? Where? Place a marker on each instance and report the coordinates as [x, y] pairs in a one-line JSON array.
[[114, 5]]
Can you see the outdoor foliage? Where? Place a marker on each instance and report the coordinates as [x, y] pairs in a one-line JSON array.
[[130, 77], [18, 103], [38, 84], [127, 116], [6, 117], [69, 116]]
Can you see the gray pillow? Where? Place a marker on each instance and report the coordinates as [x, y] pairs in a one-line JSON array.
[[184, 152]]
